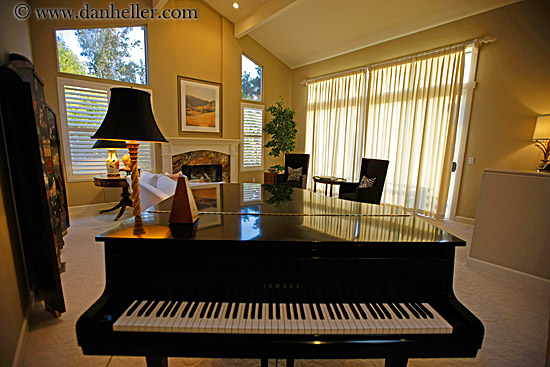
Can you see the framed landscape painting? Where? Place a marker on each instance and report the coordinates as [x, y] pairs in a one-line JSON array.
[[199, 106]]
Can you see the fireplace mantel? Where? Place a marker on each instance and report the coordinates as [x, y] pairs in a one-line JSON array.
[[178, 145]]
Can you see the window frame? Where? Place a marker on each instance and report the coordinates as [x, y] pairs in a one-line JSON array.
[[260, 107], [145, 51], [261, 99], [64, 125]]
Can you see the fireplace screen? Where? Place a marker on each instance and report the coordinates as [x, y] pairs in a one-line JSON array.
[[203, 173]]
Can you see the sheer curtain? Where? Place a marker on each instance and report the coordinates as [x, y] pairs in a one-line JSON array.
[[412, 119], [336, 112]]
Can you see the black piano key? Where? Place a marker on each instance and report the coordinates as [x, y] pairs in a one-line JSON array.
[[260, 316], [204, 310], [161, 309], [228, 310], [133, 308], [395, 311], [175, 309], [186, 309], [236, 310], [295, 309], [151, 308], [336, 311], [412, 310], [372, 311], [419, 310], [312, 311], [211, 310], [301, 306], [245, 313], [193, 309], [426, 311], [319, 311], [217, 310], [271, 307], [144, 308], [288, 312], [278, 310], [343, 310], [385, 310], [354, 311], [403, 312], [361, 311], [252, 311], [378, 311], [169, 307], [330, 312]]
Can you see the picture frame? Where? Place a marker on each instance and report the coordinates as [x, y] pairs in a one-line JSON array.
[[199, 106]]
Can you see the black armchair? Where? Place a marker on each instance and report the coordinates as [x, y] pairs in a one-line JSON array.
[[295, 161], [370, 168]]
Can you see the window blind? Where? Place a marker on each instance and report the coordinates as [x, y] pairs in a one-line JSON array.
[[252, 147], [83, 106]]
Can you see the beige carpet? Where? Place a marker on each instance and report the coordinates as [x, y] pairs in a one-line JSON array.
[[515, 316]]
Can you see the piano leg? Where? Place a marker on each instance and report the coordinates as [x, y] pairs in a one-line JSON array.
[[396, 362], [290, 362], [265, 362], [156, 361]]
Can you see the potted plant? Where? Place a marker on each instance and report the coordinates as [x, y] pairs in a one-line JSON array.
[[282, 129]]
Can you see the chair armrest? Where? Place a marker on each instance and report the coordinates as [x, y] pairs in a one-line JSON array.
[[348, 187], [303, 181]]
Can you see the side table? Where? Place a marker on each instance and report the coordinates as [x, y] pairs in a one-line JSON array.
[[328, 181], [104, 181], [271, 178]]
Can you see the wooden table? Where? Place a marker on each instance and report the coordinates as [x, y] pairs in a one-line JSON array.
[[328, 181], [272, 178], [104, 181]]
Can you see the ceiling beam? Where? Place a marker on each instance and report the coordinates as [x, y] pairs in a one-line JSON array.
[[262, 15]]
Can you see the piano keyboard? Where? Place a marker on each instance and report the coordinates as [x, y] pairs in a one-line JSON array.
[[281, 318]]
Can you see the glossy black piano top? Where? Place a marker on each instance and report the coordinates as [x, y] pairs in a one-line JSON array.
[[255, 212]]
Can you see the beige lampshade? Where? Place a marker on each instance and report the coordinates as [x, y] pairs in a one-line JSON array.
[[542, 128]]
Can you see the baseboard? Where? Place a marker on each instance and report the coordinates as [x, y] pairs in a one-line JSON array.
[[23, 335], [508, 273], [465, 220]]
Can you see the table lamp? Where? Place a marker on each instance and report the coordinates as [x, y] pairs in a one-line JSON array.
[[112, 162], [130, 118], [541, 136]]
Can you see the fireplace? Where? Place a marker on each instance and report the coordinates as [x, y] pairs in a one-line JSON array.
[[203, 172], [188, 151]]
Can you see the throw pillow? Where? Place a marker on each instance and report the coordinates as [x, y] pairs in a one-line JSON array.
[[294, 174], [366, 182]]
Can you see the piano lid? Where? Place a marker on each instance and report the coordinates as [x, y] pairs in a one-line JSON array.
[[256, 212]]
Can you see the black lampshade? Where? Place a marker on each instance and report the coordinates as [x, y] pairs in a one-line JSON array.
[[129, 117], [109, 144]]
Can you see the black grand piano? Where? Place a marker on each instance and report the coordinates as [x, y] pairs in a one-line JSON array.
[[276, 272]]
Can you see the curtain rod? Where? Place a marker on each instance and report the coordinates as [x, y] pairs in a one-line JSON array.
[[478, 42]]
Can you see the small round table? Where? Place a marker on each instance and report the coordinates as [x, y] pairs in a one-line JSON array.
[[105, 181], [328, 181]]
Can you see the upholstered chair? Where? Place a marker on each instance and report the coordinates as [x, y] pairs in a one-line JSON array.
[[371, 182], [295, 170]]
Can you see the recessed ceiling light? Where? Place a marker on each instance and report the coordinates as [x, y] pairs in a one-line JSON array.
[[235, 5]]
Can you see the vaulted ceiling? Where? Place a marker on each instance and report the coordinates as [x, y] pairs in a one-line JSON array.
[[301, 32]]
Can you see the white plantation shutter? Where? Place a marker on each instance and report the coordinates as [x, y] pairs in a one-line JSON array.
[[83, 106], [252, 136]]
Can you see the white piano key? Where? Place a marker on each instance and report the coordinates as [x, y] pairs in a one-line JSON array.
[[121, 322]]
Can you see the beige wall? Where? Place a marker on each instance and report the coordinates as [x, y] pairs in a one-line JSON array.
[[513, 86], [202, 49], [14, 38]]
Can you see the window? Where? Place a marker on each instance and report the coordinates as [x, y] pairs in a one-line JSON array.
[[83, 106], [251, 74], [252, 117], [107, 53]]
